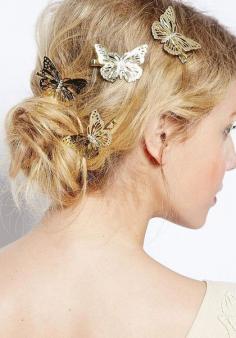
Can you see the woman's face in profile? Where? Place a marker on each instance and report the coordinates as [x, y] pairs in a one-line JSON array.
[[195, 169]]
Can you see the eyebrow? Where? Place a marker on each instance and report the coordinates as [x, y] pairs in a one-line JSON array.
[[234, 113]]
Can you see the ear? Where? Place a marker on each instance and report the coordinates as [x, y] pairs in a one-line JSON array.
[[155, 137]]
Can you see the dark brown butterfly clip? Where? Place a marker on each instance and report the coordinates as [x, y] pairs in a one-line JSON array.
[[51, 81]]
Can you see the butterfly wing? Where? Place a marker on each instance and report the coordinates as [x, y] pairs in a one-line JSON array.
[[47, 84], [185, 43], [75, 84], [111, 125], [166, 26], [168, 20], [70, 87], [50, 75], [65, 94], [50, 70], [100, 136], [109, 71], [106, 137], [75, 140], [172, 46], [136, 55], [95, 126], [179, 44], [102, 54], [131, 70]]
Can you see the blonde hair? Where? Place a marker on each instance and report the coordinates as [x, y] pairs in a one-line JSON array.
[[66, 32]]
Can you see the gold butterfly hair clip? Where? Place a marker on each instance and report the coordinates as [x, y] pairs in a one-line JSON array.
[[174, 43], [114, 66], [52, 82], [98, 135]]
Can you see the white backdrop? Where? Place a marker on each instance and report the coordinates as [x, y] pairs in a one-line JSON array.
[[206, 253]]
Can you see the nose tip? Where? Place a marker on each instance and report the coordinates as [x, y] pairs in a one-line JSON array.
[[232, 162], [232, 165], [232, 157]]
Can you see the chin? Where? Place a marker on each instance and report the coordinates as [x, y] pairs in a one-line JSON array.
[[193, 223]]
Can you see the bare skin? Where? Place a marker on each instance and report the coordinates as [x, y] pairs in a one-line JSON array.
[[48, 292], [84, 272]]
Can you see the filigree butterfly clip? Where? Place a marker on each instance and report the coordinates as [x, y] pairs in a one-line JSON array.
[[174, 42], [98, 135], [52, 81], [114, 66]]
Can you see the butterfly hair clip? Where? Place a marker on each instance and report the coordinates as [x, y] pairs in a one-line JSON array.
[[174, 43], [98, 135], [52, 81], [114, 66]]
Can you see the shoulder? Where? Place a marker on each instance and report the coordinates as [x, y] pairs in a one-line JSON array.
[[15, 283], [18, 261], [10, 288]]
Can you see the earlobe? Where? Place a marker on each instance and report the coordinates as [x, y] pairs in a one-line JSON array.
[[155, 140], [153, 148], [152, 159]]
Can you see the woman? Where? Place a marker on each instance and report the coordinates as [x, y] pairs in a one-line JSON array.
[[130, 119]]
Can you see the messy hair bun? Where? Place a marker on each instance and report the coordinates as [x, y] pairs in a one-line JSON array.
[[35, 130], [66, 32]]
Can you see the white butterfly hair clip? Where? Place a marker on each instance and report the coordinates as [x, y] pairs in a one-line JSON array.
[[174, 43], [114, 66]]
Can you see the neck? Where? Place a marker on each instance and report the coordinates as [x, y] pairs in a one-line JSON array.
[[112, 220]]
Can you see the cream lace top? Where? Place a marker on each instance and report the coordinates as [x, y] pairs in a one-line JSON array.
[[216, 317]]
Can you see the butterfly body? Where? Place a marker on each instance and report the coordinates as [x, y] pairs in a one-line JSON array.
[[59, 86], [174, 42], [52, 82], [169, 37], [116, 66]]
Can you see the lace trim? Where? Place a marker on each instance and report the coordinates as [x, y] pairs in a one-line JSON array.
[[227, 317]]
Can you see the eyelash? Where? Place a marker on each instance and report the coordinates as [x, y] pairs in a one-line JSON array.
[[229, 128]]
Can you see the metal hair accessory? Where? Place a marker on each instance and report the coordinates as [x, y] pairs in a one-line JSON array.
[[114, 65], [54, 84], [98, 135], [174, 43]]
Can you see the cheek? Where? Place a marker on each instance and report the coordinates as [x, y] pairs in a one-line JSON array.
[[204, 174], [215, 171]]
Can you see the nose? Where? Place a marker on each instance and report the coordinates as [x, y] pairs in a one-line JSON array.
[[231, 158]]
